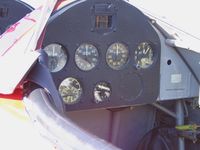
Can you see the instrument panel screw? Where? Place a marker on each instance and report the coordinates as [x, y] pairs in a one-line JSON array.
[[153, 21]]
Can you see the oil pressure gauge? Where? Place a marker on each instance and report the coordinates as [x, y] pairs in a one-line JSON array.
[[117, 56], [102, 92], [70, 90], [86, 57], [144, 55]]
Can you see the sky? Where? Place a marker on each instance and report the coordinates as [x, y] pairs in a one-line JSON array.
[[182, 13]]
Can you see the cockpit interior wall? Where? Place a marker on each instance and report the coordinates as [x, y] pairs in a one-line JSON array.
[[10, 12]]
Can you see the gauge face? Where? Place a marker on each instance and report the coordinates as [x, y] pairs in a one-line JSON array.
[[144, 55], [86, 57], [102, 92], [117, 56], [70, 90], [57, 57]]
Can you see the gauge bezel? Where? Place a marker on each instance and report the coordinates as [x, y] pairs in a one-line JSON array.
[[128, 56], [98, 57], [81, 91], [64, 50], [154, 58]]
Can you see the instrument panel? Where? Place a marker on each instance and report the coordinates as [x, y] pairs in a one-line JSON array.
[[10, 12], [103, 54]]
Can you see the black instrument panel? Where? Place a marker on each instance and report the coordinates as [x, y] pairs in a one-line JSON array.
[[112, 51], [10, 12]]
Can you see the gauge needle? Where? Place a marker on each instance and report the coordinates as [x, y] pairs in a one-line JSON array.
[[86, 53], [146, 51], [84, 60], [117, 49], [54, 50]]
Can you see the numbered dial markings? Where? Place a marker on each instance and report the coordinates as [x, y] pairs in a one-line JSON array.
[[144, 55], [70, 90], [86, 57], [57, 57], [117, 56]]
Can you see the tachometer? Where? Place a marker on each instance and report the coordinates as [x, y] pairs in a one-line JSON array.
[[144, 55], [86, 57], [117, 56], [57, 57], [70, 90]]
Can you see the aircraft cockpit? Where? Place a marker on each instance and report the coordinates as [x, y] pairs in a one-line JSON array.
[[114, 69]]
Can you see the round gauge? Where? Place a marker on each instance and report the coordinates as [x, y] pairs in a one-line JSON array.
[[86, 57], [57, 57], [117, 56], [102, 92], [144, 55], [70, 90]]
